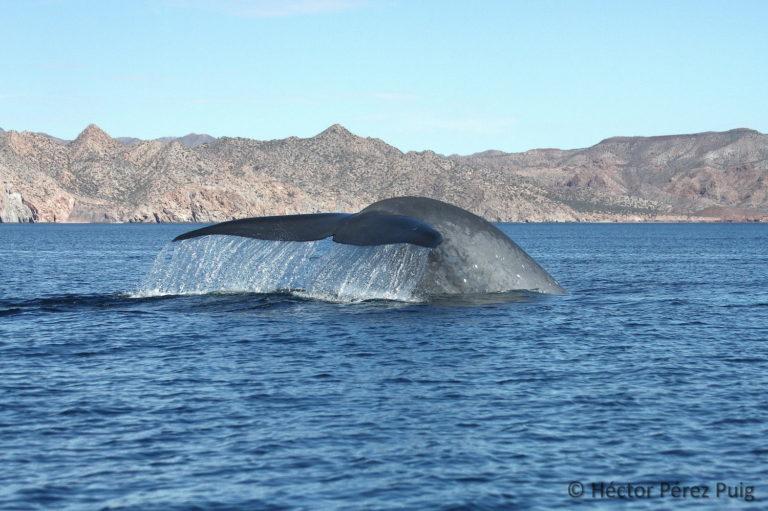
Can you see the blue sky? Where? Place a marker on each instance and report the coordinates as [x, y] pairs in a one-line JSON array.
[[452, 76]]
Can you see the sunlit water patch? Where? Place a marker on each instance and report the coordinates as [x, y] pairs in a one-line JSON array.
[[318, 269]]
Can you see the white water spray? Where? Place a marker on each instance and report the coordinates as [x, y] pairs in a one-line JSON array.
[[317, 269]]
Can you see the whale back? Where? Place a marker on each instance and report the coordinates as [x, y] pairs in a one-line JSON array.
[[474, 257]]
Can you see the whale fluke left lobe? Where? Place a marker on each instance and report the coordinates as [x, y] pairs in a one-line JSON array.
[[364, 229], [276, 228]]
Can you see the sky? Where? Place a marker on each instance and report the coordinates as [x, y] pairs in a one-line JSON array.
[[450, 76]]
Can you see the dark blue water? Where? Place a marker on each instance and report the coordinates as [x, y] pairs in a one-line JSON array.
[[653, 368]]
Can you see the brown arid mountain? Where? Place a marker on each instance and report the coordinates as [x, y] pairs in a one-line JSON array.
[[95, 178]]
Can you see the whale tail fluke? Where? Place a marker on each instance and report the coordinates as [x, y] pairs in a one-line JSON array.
[[276, 228], [365, 229]]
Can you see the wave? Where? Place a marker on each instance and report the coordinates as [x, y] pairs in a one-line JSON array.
[[61, 303], [319, 270]]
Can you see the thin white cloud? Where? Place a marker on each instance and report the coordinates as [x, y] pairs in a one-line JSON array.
[[318, 99], [270, 8], [477, 125], [393, 96], [426, 123]]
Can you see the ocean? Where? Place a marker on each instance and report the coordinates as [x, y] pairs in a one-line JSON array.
[[133, 376]]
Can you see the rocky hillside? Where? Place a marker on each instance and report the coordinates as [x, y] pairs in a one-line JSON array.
[[705, 174], [95, 178]]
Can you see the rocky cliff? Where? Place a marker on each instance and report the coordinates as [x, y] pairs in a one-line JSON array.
[[95, 178]]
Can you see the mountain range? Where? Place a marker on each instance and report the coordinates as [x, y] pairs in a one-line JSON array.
[[712, 176]]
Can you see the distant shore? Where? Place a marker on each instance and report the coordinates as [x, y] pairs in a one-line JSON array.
[[670, 220], [701, 178]]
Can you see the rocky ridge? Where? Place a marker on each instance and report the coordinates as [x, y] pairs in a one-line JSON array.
[[96, 178]]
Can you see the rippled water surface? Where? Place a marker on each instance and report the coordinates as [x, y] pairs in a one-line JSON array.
[[114, 394]]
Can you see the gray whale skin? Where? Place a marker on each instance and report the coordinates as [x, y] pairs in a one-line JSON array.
[[467, 254]]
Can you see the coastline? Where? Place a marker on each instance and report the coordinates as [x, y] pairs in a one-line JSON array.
[[691, 178], [671, 220]]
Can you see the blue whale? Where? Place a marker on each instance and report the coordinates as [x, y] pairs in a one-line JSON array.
[[467, 254]]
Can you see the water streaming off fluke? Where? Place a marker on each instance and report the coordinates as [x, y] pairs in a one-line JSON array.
[[318, 269]]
